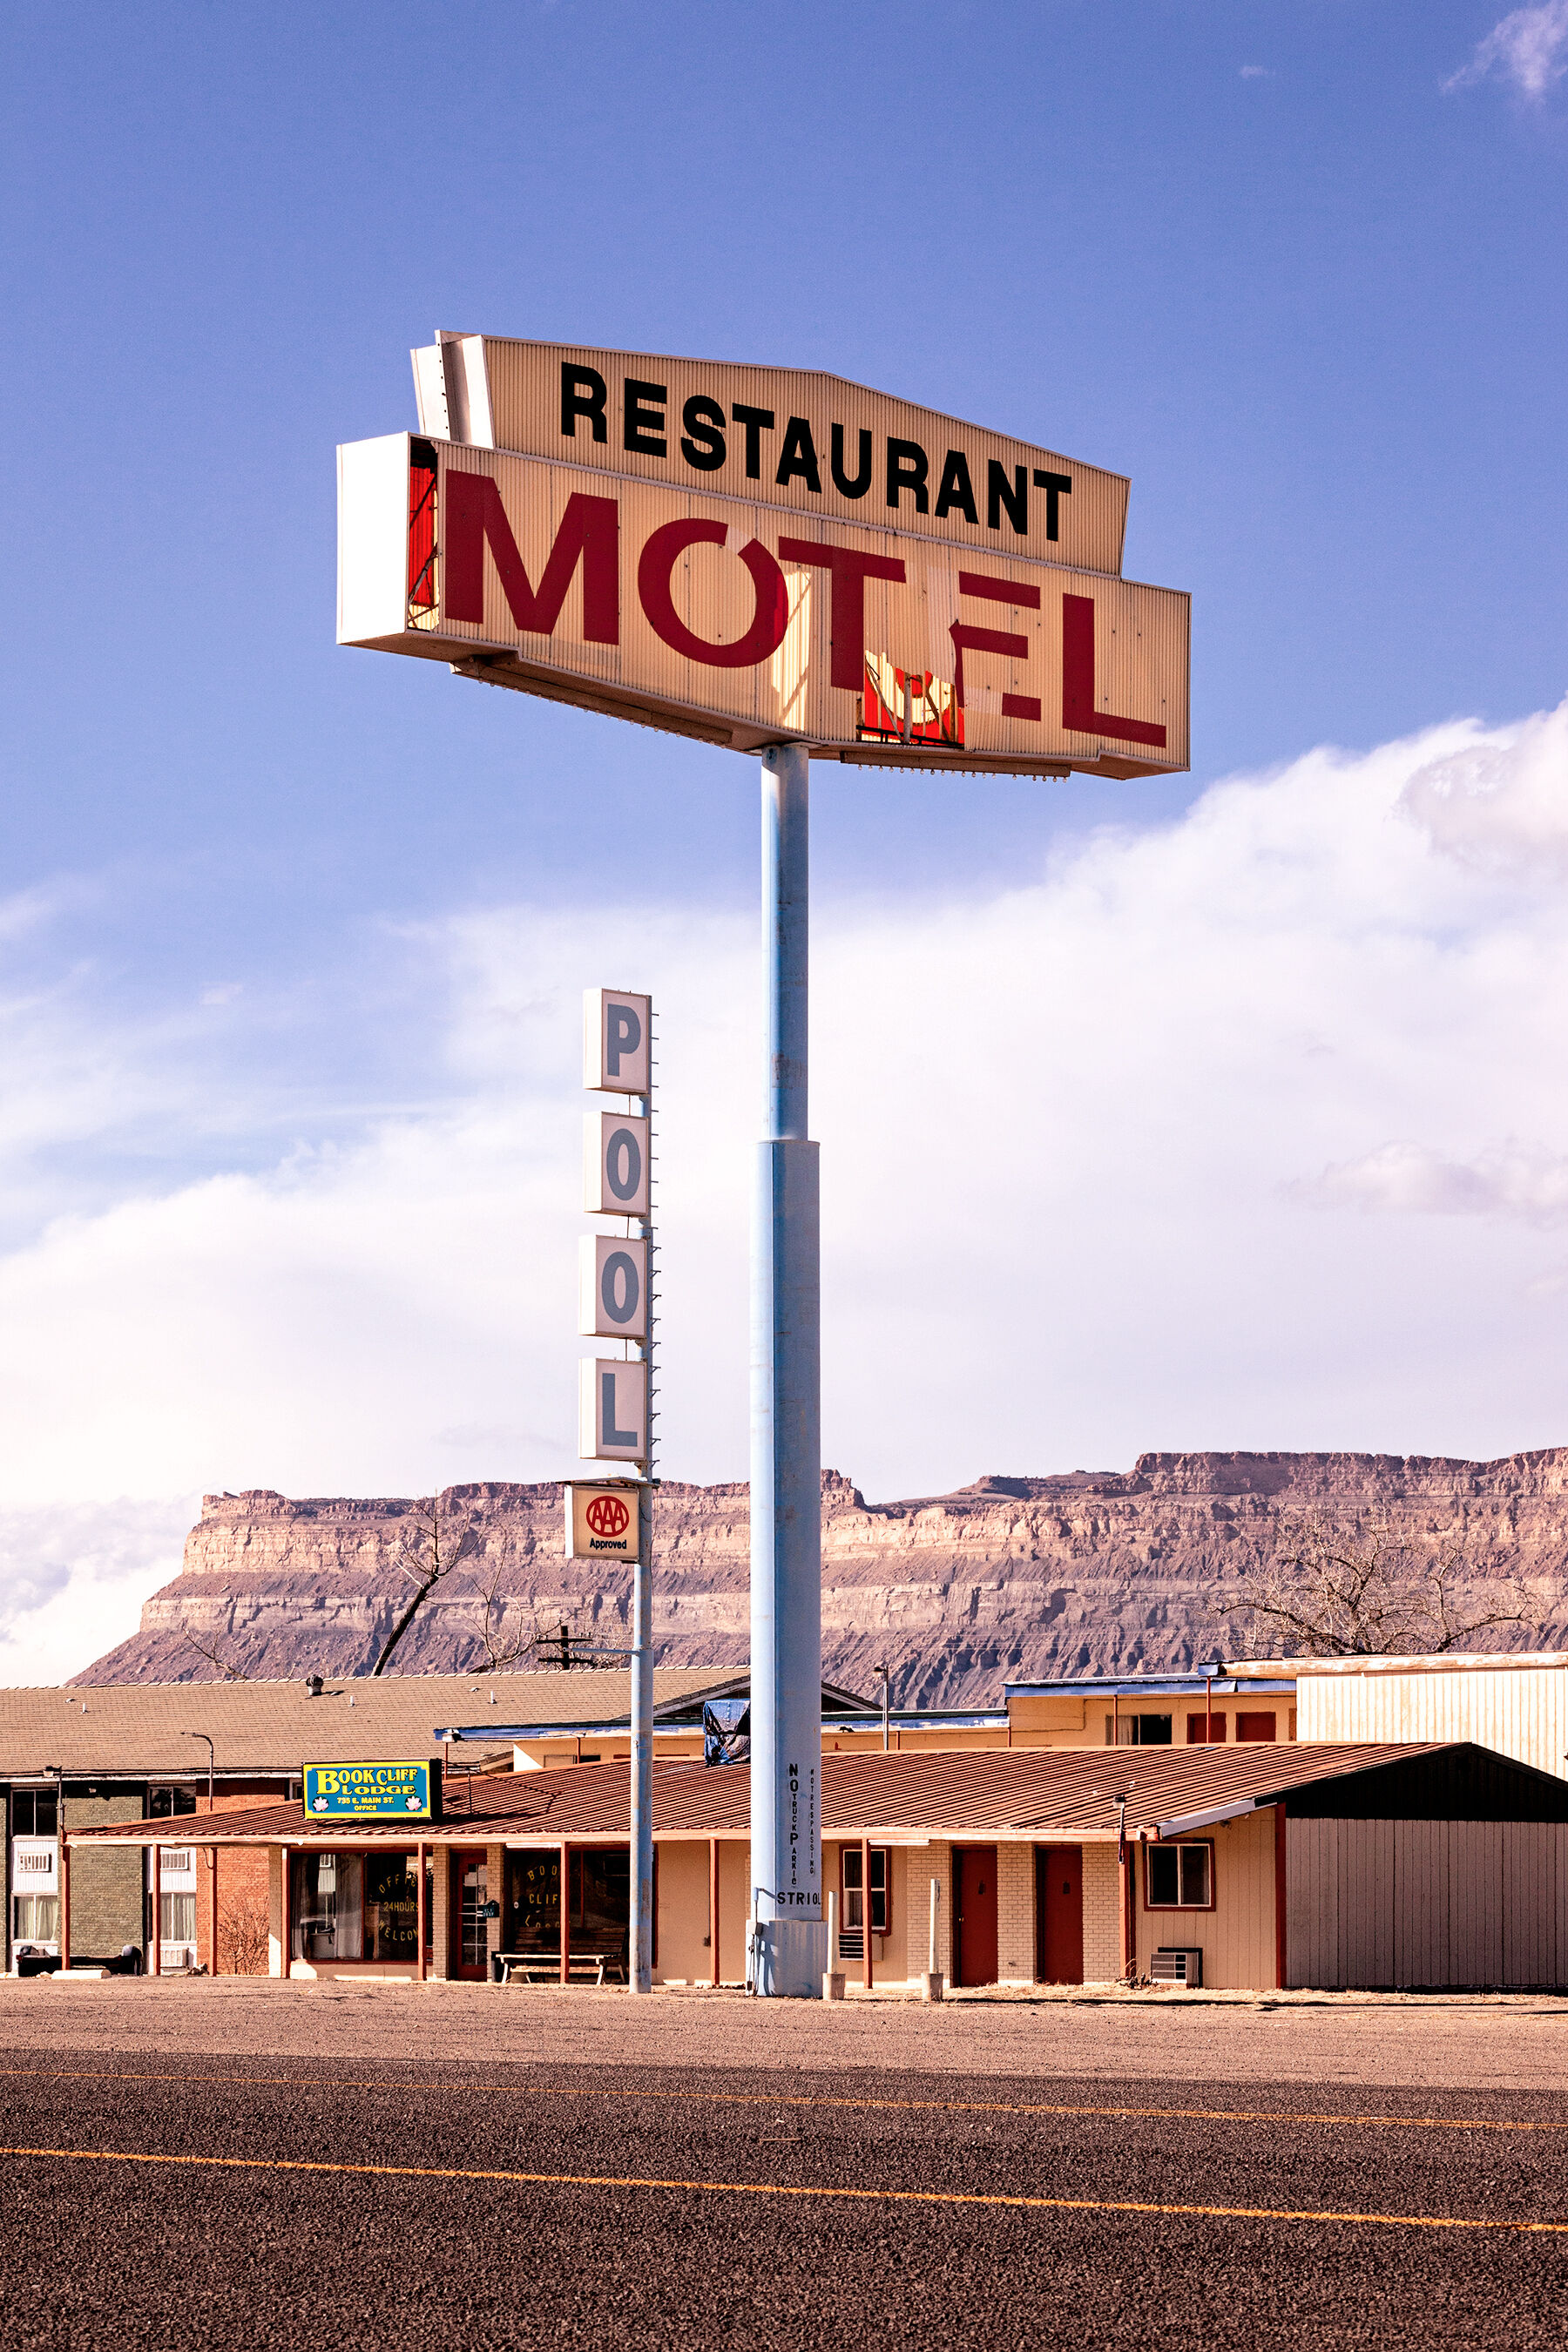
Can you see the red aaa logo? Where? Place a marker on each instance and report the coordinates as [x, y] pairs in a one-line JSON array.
[[608, 1516]]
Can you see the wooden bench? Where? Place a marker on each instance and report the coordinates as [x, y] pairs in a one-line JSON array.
[[545, 1968]]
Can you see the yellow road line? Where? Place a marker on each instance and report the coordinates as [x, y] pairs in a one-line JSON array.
[[789, 2099], [784, 2188]]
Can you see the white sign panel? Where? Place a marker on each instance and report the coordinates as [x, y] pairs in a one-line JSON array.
[[616, 1050], [613, 1285], [35, 1866], [612, 1419], [601, 1522], [615, 1164]]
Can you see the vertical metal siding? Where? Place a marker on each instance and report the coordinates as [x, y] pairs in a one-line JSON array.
[[1414, 1904], [1142, 631], [1519, 1711], [525, 383]]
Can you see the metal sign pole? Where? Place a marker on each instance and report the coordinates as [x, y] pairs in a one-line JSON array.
[[639, 1974], [786, 1441]]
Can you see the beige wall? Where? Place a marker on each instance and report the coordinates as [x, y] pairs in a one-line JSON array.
[[1101, 1915], [1014, 1914], [685, 1954], [1236, 1938]]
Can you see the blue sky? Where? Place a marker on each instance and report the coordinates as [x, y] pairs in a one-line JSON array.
[[1297, 272]]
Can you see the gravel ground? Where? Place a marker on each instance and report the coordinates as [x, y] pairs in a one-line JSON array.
[[219, 2164]]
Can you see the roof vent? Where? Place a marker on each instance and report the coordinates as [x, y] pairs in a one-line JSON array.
[[312, 1686]]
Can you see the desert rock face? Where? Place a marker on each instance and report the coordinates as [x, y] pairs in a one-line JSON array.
[[1083, 1572]]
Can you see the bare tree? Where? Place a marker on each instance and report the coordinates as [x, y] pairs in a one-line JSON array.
[[214, 1656], [1329, 1596], [244, 1936], [501, 1649], [430, 1549]]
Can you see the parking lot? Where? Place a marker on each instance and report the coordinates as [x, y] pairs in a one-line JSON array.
[[465, 2168]]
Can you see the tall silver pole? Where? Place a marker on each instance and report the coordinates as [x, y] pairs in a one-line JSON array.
[[790, 1954], [639, 1974]]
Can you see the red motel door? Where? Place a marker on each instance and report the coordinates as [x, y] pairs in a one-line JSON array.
[[975, 1914], [1058, 1914]]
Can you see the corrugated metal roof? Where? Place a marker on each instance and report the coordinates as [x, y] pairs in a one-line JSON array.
[[141, 1730], [1022, 1793]]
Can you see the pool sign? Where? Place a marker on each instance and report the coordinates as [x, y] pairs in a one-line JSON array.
[[602, 1521], [615, 1164], [381, 1792], [617, 1049], [612, 1410], [752, 556], [611, 1288]]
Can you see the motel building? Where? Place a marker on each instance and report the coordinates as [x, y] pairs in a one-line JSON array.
[[1416, 1864]]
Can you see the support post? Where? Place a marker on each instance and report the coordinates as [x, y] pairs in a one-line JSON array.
[[713, 1903], [65, 1853], [866, 1913], [639, 1974], [421, 1912], [565, 1913], [285, 1924], [931, 1984], [156, 1941], [786, 1442], [212, 1905]]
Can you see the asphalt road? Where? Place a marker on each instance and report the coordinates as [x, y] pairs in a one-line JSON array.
[[196, 2201]]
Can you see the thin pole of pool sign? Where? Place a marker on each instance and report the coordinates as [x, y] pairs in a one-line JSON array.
[[786, 1441], [639, 1976]]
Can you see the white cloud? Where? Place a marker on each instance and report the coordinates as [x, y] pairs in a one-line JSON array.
[[73, 1578], [1069, 1131], [1528, 48], [1257, 73], [1507, 1179], [1500, 803]]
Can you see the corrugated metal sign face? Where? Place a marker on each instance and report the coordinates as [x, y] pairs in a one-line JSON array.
[[962, 608], [788, 436]]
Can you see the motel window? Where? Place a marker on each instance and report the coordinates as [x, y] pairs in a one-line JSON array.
[[163, 1803], [36, 1918], [881, 1862], [35, 1813], [1257, 1726], [1179, 1878], [1144, 1730], [356, 1907], [1199, 1734], [177, 1918]]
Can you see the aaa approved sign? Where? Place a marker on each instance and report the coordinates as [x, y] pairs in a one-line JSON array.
[[602, 1522]]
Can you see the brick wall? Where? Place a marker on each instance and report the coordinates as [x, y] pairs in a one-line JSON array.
[[1101, 1914], [105, 1880], [1014, 1914]]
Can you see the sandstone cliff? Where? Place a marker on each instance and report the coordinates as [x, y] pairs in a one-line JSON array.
[[1084, 1573]]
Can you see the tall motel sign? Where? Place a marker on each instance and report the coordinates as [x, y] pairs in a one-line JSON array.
[[785, 564]]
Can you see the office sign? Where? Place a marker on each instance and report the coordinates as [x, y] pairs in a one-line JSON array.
[[372, 1791], [750, 556], [615, 1164], [602, 1521], [613, 1289], [612, 1415]]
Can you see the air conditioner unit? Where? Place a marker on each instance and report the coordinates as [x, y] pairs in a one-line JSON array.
[[1173, 1964]]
